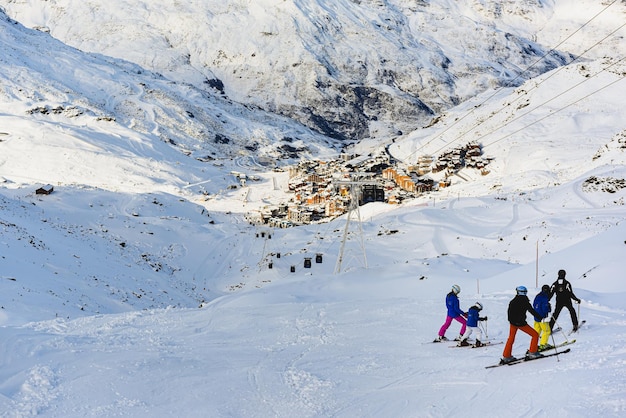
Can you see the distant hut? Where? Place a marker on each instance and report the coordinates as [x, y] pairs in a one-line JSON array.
[[47, 189]]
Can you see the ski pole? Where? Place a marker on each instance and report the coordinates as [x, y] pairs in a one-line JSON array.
[[562, 332], [484, 329], [556, 350]]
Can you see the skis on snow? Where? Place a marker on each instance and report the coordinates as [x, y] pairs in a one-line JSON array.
[[485, 344], [558, 345], [445, 341], [557, 329], [579, 325], [524, 360]]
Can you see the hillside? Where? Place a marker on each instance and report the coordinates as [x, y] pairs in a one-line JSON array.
[[137, 287]]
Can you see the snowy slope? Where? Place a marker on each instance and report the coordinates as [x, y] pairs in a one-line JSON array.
[[137, 289], [357, 344]]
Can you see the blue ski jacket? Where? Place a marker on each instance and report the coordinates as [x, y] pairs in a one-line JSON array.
[[452, 303], [473, 317], [541, 304]]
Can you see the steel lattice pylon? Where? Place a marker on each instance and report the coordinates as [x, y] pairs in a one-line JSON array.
[[353, 210]]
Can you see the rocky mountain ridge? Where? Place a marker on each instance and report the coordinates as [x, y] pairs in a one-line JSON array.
[[346, 69]]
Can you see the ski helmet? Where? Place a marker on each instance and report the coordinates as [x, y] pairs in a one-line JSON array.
[[521, 290], [561, 274], [545, 288], [456, 289], [479, 306]]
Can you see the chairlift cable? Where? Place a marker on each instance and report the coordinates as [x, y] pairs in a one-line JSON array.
[[553, 49], [552, 74], [546, 102], [556, 111]]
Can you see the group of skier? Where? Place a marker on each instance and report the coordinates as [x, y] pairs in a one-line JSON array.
[[518, 308]]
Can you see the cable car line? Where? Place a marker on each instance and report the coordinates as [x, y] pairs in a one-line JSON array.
[[553, 49]]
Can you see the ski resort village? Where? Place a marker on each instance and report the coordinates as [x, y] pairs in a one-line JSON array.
[[323, 190]]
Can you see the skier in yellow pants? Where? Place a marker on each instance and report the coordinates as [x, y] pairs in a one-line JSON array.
[[541, 304]]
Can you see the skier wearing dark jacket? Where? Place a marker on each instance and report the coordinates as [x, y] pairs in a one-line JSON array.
[[564, 295], [518, 307]]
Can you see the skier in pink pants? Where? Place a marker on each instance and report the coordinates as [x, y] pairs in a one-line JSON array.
[[454, 312]]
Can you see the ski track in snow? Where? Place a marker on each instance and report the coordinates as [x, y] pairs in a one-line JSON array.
[[301, 365]]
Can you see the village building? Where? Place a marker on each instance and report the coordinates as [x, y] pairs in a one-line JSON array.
[[47, 189], [322, 189]]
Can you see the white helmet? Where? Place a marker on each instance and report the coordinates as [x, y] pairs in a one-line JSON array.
[[479, 306], [456, 289]]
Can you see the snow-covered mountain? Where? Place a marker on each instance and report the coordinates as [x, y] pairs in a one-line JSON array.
[[137, 287], [42, 76], [348, 69]]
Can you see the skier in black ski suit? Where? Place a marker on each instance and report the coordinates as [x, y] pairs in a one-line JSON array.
[[564, 295]]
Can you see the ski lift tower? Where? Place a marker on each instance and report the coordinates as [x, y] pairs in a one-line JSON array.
[[355, 183]]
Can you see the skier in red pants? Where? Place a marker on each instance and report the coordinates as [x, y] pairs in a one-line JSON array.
[[518, 307]]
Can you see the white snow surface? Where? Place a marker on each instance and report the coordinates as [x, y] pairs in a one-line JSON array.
[[130, 292]]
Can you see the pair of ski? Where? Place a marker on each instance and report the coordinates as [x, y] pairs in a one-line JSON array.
[[557, 329], [524, 359], [558, 345], [485, 344]]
